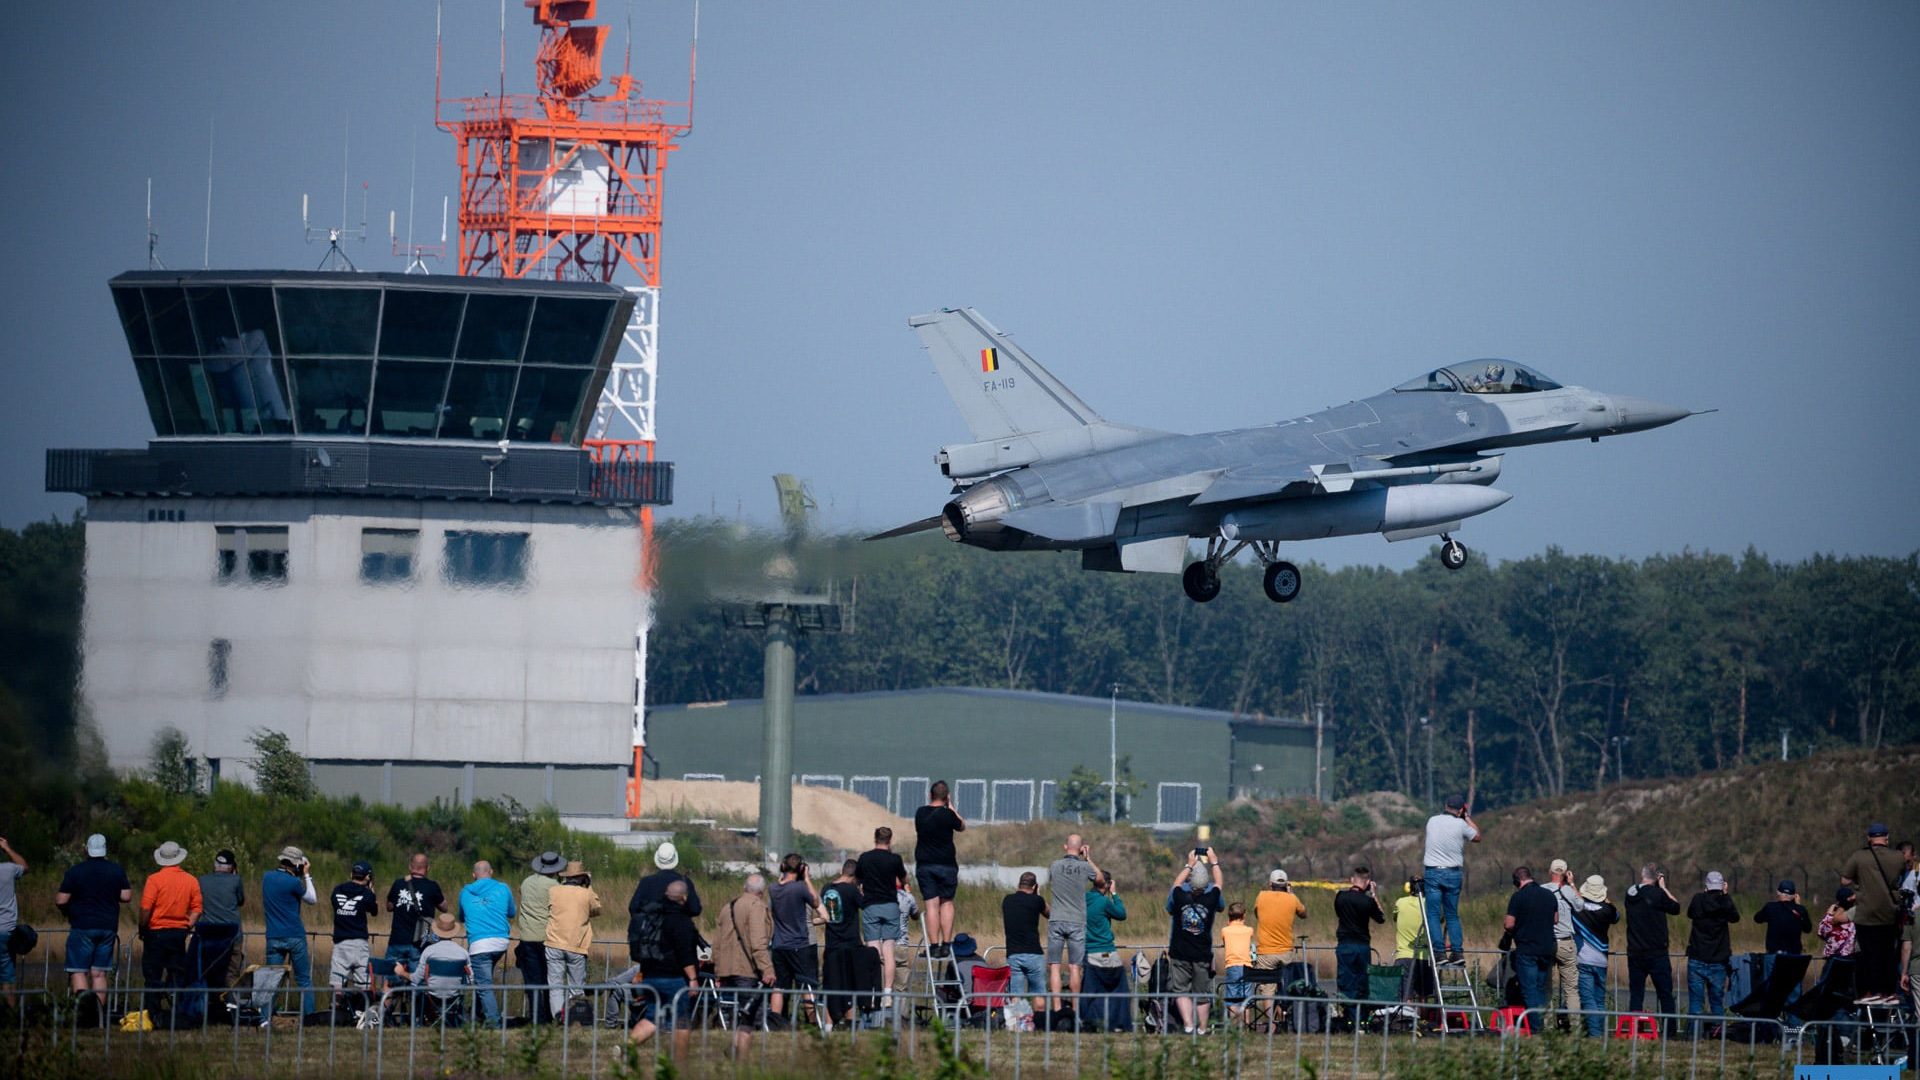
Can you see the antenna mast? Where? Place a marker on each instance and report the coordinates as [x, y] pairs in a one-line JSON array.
[[336, 257], [417, 254], [153, 238]]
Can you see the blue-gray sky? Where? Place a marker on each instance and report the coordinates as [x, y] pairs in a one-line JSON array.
[[1199, 216]]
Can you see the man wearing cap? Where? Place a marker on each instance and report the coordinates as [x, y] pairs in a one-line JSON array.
[[1448, 835], [90, 894], [221, 947], [414, 900], [1566, 954], [446, 949], [1592, 927], [1276, 910], [282, 890], [1784, 919], [1709, 947], [352, 901], [1874, 872], [530, 952], [487, 907], [571, 907], [169, 906], [666, 862], [10, 872]]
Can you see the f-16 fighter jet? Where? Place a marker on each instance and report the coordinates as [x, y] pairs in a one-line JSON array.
[[1044, 472]]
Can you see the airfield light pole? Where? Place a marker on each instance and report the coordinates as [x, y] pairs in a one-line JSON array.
[[1427, 726], [1319, 742], [776, 751], [1113, 756]]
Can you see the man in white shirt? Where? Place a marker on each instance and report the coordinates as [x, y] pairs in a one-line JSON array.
[[1448, 835]]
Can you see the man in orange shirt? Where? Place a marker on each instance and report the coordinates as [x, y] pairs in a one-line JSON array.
[[169, 906], [1276, 909]]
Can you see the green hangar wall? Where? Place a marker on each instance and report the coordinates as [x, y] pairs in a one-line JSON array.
[[1004, 751]]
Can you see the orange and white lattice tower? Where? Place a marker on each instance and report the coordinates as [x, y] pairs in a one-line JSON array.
[[565, 184]]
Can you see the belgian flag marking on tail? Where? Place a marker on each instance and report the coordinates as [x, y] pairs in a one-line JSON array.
[[989, 360]]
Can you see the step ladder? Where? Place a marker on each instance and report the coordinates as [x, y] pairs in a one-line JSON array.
[[942, 978], [1453, 984]]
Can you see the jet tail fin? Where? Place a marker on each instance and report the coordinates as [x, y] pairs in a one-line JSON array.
[[1001, 391]]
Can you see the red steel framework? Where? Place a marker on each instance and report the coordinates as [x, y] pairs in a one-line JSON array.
[[564, 184]]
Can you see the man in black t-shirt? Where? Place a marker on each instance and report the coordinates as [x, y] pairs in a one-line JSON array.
[[840, 964], [936, 865], [1785, 919], [1531, 913], [1649, 905], [882, 875], [413, 900], [1356, 908], [1020, 914], [667, 986], [1192, 902], [351, 902]]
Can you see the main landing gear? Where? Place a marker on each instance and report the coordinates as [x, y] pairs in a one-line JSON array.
[[1201, 580], [1453, 554]]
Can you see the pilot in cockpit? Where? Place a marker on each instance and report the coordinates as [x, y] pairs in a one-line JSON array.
[[1490, 381]]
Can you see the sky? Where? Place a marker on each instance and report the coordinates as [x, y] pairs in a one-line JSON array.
[[1199, 216]]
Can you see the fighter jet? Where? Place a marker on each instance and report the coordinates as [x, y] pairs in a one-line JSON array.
[[1044, 472]]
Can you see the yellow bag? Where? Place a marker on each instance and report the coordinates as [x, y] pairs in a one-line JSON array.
[[136, 1021]]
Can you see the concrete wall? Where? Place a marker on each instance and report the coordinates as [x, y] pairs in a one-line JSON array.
[[421, 671]]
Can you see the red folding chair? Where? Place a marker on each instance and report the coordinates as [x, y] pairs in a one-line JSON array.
[[989, 989]]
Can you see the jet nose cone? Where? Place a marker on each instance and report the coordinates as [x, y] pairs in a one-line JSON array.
[[1640, 414]]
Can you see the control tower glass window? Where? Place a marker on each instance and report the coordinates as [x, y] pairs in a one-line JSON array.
[[330, 396], [250, 554], [547, 404], [478, 399], [420, 325], [567, 331], [330, 322], [407, 397], [495, 327]]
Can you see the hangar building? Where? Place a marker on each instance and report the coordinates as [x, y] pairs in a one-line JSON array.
[[367, 520], [1004, 751]]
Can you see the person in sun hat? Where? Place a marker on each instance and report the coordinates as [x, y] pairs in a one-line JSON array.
[[572, 905], [1592, 926], [530, 931], [169, 906], [652, 889], [446, 931]]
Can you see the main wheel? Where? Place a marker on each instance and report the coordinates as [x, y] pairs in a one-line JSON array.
[[1201, 583], [1453, 555], [1282, 582]]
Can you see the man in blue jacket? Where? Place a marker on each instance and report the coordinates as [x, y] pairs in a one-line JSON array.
[[488, 909]]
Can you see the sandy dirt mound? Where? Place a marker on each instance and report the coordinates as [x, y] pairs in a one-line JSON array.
[[844, 819]]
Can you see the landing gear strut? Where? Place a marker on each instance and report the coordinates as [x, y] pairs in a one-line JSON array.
[[1201, 580], [1453, 554]]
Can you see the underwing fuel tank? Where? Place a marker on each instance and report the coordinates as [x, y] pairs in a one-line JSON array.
[[1408, 509]]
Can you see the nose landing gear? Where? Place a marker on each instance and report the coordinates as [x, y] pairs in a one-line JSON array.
[[1453, 554]]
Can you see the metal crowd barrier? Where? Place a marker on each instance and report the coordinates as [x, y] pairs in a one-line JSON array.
[[50, 1022]]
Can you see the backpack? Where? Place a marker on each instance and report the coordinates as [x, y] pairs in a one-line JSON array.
[[22, 940], [579, 1013], [645, 932]]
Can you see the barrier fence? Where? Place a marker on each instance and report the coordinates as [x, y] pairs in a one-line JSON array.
[[416, 1029]]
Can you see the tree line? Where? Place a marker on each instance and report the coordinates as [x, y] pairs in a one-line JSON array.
[[1536, 677]]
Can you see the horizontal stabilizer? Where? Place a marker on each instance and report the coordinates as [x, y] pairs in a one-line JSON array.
[[1067, 521], [912, 527]]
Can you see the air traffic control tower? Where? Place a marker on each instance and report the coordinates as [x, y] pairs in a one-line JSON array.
[[366, 520]]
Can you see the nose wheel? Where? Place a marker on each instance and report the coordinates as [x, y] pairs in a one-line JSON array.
[[1453, 554]]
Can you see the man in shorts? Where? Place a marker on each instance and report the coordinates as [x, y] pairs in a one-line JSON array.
[[352, 901], [1192, 902], [1070, 876], [936, 864], [91, 894], [10, 871], [882, 875], [796, 906]]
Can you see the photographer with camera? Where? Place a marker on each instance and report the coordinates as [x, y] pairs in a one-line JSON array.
[[282, 890], [1356, 908], [1192, 902], [1070, 876], [1649, 905], [1874, 872], [796, 907]]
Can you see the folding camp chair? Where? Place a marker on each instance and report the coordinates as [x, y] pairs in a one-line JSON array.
[[259, 986], [988, 993], [444, 998]]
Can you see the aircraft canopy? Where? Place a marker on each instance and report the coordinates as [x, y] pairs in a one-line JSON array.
[[1481, 377]]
